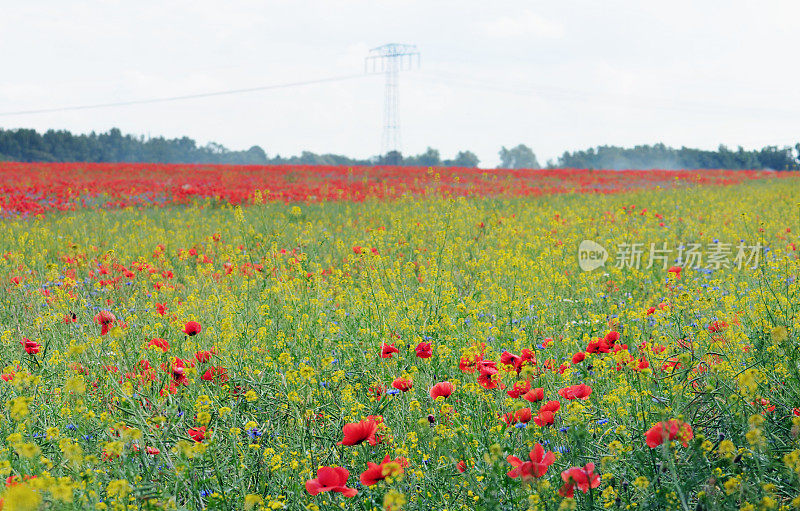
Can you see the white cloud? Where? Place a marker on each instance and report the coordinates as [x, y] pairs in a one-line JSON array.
[[526, 24]]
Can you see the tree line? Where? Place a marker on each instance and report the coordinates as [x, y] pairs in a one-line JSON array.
[[62, 146]]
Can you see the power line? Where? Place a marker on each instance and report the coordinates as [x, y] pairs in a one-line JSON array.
[[606, 98], [184, 97]]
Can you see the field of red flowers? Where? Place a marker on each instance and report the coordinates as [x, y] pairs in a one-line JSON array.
[[35, 188], [398, 339]]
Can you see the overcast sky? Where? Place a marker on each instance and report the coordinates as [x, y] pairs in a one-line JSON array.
[[553, 75]]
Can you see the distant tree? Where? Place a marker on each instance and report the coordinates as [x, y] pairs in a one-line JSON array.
[[463, 159], [659, 156], [779, 158], [391, 158], [520, 157], [257, 156], [114, 146], [430, 158]]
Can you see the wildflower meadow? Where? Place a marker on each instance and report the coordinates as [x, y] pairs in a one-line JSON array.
[[227, 338]]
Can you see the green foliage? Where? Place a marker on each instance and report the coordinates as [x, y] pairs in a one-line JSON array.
[[660, 156], [520, 157], [463, 159], [60, 145], [113, 146], [430, 158]]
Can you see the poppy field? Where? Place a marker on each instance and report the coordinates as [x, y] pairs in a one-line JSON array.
[[30, 189], [178, 337]]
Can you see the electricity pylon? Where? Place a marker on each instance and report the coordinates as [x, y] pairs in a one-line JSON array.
[[390, 59]]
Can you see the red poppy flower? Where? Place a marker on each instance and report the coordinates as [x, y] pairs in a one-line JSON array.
[[620, 347], [192, 328], [376, 392], [31, 347], [717, 326], [487, 382], [581, 391], [534, 395], [508, 418], [487, 367], [544, 418], [387, 350], [198, 434], [402, 384], [578, 357], [331, 479], [378, 472], [581, 478], [105, 319], [159, 343], [523, 415], [529, 356], [519, 389], [537, 467], [468, 364], [424, 350], [766, 404], [669, 430], [202, 356], [603, 345], [217, 374], [357, 432], [676, 270], [152, 451], [550, 406], [444, 389], [509, 358], [373, 473], [179, 373]]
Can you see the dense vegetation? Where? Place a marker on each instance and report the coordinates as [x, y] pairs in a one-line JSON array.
[[663, 157], [411, 353], [28, 145]]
